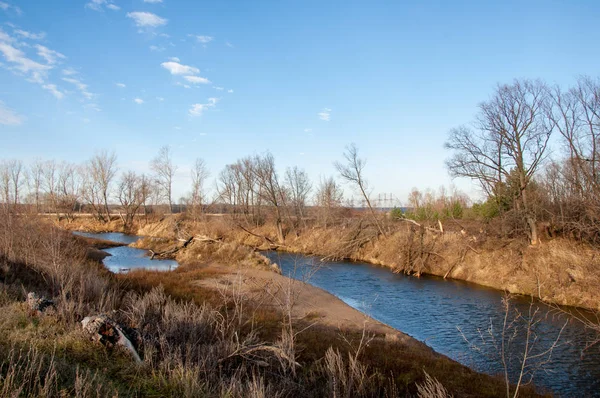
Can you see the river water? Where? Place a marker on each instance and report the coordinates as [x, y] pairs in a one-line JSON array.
[[443, 314], [125, 258]]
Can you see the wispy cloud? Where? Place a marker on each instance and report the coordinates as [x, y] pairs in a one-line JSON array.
[[218, 88], [143, 19], [157, 48], [98, 5], [20, 63], [49, 55], [138, 101], [307, 130], [198, 109], [8, 7], [69, 72], [325, 114], [8, 117], [122, 85], [174, 59], [228, 44], [153, 1], [196, 79], [54, 90], [202, 39], [82, 87], [230, 91], [161, 99], [29, 35]]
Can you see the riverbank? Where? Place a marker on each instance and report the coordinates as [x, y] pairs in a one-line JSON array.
[[557, 271]]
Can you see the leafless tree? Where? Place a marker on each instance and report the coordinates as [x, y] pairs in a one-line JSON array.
[[103, 169], [199, 174], [509, 141], [270, 189], [36, 172], [68, 189], [164, 170], [299, 187], [329, 197], [50, 184], [132, 193], [352, 172]]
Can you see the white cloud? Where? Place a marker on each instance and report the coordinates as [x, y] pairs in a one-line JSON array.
[[196, 79], [156, 48], [93, 107], [228, 44], [36, 72], [97, 5], [69, 72], [202, 39], [138, 101], [29, 35], [177, 128], [8, 117], [49, 55], [122, 85], [230, 91], [218, 88], [198, 109], [54, 90], [144, 19], [80, 85], [153, 1], [325, 114], [183, 85], [174, 59], [178, 69], [160, 99], [5, 7]]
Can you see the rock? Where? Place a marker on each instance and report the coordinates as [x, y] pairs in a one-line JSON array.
[[109, 333], [38, 304]]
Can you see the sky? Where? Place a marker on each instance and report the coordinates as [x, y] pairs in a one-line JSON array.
[[222, 80]]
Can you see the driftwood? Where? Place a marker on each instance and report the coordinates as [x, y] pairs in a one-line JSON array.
[[109, 333], [437, 231]]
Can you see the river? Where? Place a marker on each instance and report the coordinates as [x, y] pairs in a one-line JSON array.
[[443, 314]]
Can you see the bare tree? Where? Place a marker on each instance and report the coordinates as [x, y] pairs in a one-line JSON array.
[[352, 172], [68, 189], [132, 193], [36, 172], [510, 141], [103, 169], [270, 189], [329, 197], [164, 170], [199, 174], [299, 187]]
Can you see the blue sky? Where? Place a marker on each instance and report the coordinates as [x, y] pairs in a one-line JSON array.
[[225, 79]]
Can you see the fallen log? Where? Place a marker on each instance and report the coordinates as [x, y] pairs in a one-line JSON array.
[[109, 333]]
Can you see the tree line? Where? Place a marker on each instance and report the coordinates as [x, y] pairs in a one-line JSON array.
[[532, 148]]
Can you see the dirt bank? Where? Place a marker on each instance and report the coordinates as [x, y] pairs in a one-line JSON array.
[[556, 271]]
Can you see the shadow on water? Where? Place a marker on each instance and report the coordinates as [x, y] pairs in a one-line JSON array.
[[125, 258], [432, 310]]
